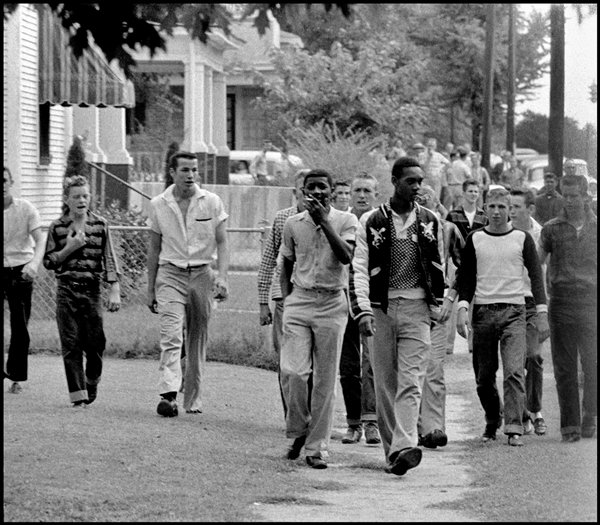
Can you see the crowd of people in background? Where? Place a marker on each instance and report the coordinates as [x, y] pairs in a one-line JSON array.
[[370, 293]]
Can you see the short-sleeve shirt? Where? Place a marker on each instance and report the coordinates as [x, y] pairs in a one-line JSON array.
[[189, 243], [316, 266], [21, 218]]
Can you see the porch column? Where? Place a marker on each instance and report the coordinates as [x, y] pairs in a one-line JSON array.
[[194, 107], [209, 125], [118, 161], [86, 124], [220, 127]]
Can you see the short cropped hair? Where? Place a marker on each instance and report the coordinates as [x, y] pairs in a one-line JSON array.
[[363, 175], [469, 182], [549, 175], [401, 164], [319, 173], [174, 159], [341, 183], [528, 196], [575, 180], [498, 193]]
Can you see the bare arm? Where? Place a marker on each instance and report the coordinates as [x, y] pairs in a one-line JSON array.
[[31, 268], [152, 265], [222, 288], [286, 277]]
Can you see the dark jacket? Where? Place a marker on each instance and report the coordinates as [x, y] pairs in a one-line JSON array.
[[378, 227]]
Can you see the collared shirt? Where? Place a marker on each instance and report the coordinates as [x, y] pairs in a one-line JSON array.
[[20, 219], [573, 265], [512, 177], [189, 243], [433, 170], [459, 218], [535, 230], [269, 270], [547, 206], [94, 261], [316, 266], [457, 172]]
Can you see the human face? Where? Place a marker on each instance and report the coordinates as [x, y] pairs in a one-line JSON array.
[[184, 176], [408, 185], [471, 194], [519, 213], [497, 212], [573, 201], [341, 198], [431, 145], [298, 194], [570, 168], [78, 200], [363, 194], [550, 184], [318, 188]]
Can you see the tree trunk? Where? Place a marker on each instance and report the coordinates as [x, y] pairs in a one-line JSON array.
[[489, 88], [556, 122]]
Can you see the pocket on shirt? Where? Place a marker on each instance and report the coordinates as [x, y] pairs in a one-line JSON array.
[[203, 227]]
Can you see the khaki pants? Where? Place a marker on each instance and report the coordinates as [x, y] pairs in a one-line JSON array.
[[183, 295], [313, 330]]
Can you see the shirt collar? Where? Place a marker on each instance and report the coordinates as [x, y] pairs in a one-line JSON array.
[[198, 193]]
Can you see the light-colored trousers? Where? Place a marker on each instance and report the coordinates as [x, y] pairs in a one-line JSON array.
[[183, 295], [433, 400], [399, 356], [313, 330]]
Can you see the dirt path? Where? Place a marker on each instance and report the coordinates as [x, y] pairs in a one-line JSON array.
[[355, 488]]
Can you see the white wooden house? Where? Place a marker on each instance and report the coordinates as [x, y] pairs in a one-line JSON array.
[[49, 97]]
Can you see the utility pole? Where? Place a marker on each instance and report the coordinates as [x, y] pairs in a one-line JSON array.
[[510, 102], [556, 122], [488, 93]]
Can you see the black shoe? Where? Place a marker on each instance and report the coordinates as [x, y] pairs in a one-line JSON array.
[[405, 459], [316, 462], [294, 450], [167, 408], [489, 434], [435, 439], [92, 391]]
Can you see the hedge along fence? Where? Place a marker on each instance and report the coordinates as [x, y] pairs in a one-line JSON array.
[[130, 244]]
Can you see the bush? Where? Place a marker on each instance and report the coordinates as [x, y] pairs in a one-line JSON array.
[[344, 155]]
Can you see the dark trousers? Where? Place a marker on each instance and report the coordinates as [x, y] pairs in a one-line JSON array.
[[573, 332], [18, 292], [504, 324], [534, 363], [356, 378], [79, 319]]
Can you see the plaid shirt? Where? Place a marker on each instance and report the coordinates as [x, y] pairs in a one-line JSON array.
[[573, 267], [458, 217], [269, 270]]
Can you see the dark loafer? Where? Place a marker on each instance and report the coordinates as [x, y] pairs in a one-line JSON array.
[[294, 451], [405, 459], [316, 462]]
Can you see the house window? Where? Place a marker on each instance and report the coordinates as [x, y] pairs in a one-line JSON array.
[[44, 146], [231, 121]]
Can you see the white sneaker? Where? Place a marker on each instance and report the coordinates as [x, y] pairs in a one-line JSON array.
[[528, 427]]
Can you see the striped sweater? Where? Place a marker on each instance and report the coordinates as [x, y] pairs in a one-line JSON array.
[[92, 262]]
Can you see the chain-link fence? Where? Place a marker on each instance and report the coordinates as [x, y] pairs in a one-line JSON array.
[[130, 243]]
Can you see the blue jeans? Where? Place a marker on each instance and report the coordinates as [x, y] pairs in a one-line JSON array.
[[505, 324], [79, 319], [18, 293], [357, 384], [573, 331], [399, 355]]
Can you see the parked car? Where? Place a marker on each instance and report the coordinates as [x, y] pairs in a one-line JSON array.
[[240, 160], [524, 154], [535, 167]]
